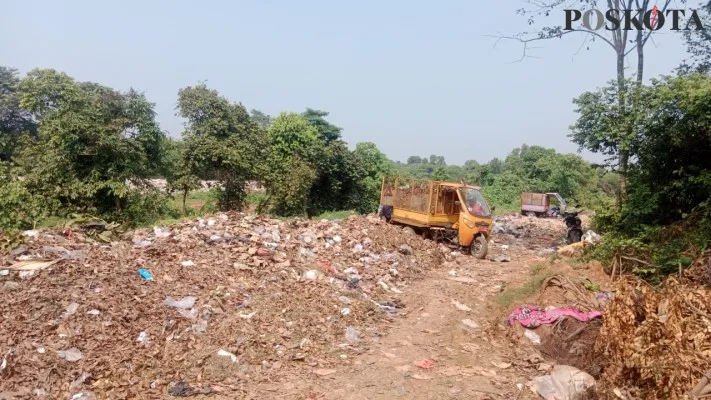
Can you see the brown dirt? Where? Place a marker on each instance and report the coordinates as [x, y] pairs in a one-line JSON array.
[[480, 359]]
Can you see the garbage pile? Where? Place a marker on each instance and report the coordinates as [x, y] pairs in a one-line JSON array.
[[199, 307], [540, 236], [657, 342]]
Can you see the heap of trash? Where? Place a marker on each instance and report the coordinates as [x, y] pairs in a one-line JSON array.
[[198, 307]]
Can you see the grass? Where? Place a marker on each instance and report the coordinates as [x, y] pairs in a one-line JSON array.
[[539, 274]]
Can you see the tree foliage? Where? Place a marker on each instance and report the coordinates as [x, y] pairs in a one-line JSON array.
[[222, 143]]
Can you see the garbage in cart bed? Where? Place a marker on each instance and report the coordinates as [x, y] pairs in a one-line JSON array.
[[454, 213]]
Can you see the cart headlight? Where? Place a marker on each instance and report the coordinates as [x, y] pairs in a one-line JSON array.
[[468, 223]]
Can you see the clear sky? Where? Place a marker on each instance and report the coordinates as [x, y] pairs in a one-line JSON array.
[[415, 77]]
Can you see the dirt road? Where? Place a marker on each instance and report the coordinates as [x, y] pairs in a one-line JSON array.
[[472, 359]]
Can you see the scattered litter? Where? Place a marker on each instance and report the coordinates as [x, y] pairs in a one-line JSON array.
[[532, 336], [425, 364], [345, 311], [452, 273], [185, 302], [71, 310], [76, 384], [311, 275], [187, 264], [142, 337], [24, 275], [592, 237], [182, 389], [406, 249], [247, 316], [4, 272], [145, 274], [564, 383], [459, 306], [470, 323], [33, 265], [224, 353], [71, 355], [502, 259], [352, 335], [504, 247], [161, 232], [31, 233], [532, 317], [85, 395]]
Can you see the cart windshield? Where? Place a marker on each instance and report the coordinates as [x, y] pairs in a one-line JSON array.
[[474, 202]]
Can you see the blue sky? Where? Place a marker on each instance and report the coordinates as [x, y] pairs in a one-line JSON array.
[[415, 77]]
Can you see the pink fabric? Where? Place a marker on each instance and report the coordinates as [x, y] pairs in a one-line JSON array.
[[532, 317]]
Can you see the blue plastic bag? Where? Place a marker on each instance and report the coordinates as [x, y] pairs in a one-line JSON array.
[[145, 274]]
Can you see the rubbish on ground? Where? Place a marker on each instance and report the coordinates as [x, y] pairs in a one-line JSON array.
[[85, 395], [564, 383], [71, 310], [73, 354], [345, 300], [406, 249], [4, 272], [470, 323], [161, 232], [532, 317], [502, 259], [532, 336], [345, 311], [459, 306], [225, 353], [182, 389], [247, 316], [425, 364], [25, 274], [31, 233], [324, 372], [187, 264], [142, 337], [352, 335], [592, 237], [452, 273], [603, 297], [572, 250], [184, 303], [311, 275], [145, 274], [33, 265], [504, 247]]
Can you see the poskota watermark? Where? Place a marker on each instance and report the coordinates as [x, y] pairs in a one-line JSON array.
[[628, 20]]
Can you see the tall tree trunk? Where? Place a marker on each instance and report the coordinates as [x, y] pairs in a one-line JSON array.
[[623, 156]]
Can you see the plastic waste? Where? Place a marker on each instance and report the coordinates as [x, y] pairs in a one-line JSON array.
[[532, 336], [345, 311], [564, 383], [200, 327], [187, 263], [85, 395], [185, 302], [224, 353], [591, 237], [161, 232], [311, 275], [70, 355], [352, 335], [142, 337], [189, 314], [145, 274]]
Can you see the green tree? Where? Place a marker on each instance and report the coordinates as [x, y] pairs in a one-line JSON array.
[[373, 166], [14, 120], [290, 172], [264, 120], [221, 142], [94, 143]]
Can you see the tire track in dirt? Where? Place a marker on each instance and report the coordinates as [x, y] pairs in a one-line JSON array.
[[468, 361]]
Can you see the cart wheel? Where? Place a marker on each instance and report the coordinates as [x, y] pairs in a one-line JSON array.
[[479, 247], [531, 214]]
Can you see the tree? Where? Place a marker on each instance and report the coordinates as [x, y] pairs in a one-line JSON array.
[[616, 38], [264, 120], [94, 143], [698, 45], [327, 132], [14, 120], [294, 146], [221, 142], [440, 174], [414, 160], [373, 166]]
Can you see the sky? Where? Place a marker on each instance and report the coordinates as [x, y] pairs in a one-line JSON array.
[[415, 77]]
